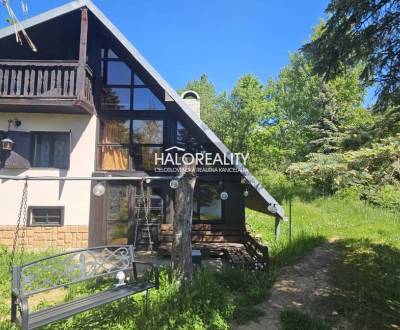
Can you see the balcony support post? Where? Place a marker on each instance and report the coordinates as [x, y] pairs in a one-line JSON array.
[[81, 74]]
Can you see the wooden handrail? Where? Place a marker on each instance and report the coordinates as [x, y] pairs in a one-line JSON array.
[[38, 63], [45, 80]]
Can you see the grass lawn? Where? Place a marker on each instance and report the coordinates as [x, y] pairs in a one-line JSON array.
[[213, 301], [369, 241], [367, 272]]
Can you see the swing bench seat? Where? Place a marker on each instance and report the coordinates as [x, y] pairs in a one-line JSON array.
[[60, 271]]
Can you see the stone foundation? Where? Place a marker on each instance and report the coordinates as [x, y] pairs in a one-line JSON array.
[[64, 237]]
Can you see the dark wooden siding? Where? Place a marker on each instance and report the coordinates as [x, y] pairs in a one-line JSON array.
[[234, 212], [57, 39], [97, 219]]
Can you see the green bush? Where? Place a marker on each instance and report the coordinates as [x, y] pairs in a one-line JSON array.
[[376, 164], [387, 196], [282, 187], [349, 193]]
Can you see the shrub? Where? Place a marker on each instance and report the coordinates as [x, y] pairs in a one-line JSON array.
[[282, 187], [387, 196]]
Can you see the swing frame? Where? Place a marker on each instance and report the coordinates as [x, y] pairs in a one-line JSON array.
[[99, 266], [75, 267]]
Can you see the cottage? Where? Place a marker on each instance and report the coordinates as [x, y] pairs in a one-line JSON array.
[[87, 104]]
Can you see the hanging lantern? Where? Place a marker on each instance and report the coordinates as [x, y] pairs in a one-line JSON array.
[[148, 180], [7, 144], [246, 193], [99, 190], [272, 208], [224, 195], [173, 184]]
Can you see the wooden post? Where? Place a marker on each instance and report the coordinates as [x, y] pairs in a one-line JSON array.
[[277, 228], [81, 74], [181, 255]]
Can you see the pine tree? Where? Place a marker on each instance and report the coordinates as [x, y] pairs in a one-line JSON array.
[[327, 133]]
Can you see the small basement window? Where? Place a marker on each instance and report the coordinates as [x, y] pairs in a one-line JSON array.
[[46, 216]]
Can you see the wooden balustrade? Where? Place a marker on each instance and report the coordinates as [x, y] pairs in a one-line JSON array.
[[45, 80]]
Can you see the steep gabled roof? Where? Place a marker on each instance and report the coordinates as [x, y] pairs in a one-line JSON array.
[[259, 197]]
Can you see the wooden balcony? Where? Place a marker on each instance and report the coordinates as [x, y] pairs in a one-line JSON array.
[[45, 86]]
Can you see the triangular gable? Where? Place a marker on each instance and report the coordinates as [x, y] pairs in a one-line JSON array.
[[259, 191]]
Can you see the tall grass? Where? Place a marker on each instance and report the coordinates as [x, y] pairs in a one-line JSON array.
[[332, 217], [366, 276], [217, 298]]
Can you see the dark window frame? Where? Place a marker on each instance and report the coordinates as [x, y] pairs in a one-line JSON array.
[[31, 220], [131, 146], [132, 192], [132, 86], [51, 152]]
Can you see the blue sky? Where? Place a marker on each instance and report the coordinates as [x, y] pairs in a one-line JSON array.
[[222, 38]]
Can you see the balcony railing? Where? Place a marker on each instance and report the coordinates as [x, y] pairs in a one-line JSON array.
[[45, 80]]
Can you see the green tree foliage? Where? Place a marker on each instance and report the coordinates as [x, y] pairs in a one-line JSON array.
[[212, 105], [246, 111], [276, 122], [366, 31], [367, 170], [327, 133], [235, 118], [314, 130], [304, 108]]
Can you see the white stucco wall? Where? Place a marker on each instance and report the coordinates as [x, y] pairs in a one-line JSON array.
[[73, 195]]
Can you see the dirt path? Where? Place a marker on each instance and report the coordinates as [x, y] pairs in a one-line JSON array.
[[297, 287]]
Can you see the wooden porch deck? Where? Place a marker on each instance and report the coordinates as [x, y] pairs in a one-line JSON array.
[[233, 243]]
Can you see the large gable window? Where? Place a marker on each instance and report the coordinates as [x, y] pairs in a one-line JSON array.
[[147, 139], [118, 73], [123, 89], [130, 144], [114, 145], [115, 98], [144, 99]]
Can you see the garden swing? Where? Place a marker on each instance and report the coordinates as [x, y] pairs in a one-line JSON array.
[[62, 270]]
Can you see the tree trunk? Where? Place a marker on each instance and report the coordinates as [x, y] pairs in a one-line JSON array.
[[181, 255]]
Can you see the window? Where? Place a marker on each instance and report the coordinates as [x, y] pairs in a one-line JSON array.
[[118, 214], [116, 98], [147, 138], [137, 81], [147, 131], [123, 89], [127, 144], [114, 145], [186, 140], [125, 204], [144, 99], [50, 149], [46, 216], [182, 134], [207, 205], [118, 73]]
